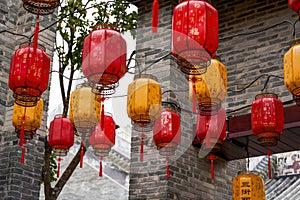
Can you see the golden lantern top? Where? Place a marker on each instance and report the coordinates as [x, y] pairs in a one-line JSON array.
[[144, 102], [292, 71], [248, 186], [84, 109], [210, 88]]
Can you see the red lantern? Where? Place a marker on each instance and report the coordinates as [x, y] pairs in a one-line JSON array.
[[211, 131], [194, 35], [294, 5], [102, 140], [61, 137], [267, 118], [104, 59], [29, 74], [166, 131]]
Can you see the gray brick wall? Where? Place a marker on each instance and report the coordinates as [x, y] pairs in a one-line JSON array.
[[17, 180], [247, 57], [190, 172]]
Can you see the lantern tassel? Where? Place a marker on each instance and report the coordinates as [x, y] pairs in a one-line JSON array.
[[22, 132], [23, 155], [142, 148], [58, 167], [168, 167], [212, 166], [81, 155], [100, 167], [36, 36], [269, 164], [155, 10], [102, 116], [194, 99]]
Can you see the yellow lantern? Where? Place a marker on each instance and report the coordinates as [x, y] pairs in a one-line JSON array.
[[144, 102], [292, 71], [84, 109], [28, 118], [209, 89], [248, 186]]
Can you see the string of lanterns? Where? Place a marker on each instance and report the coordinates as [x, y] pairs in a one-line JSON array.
[[193, 46]]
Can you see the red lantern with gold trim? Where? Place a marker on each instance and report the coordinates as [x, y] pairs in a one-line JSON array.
[[61, 137], [166, 131], [267, 118], [211, 132], [104, 59], [294, 5], [29, 74], [194, 35], [103, 139]]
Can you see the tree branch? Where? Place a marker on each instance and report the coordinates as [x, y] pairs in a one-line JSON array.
[[67, 174], [47, 171]]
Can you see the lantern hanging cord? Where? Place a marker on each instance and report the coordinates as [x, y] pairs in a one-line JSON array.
[[264, 29], [156, 61], [3, 104], [248, 156], [267, 81], [256, 79], [66, 76]]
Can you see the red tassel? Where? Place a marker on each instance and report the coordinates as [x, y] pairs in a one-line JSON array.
[[102, 116], [23, 155], [58, 167], [36, 35], [100, 167], [22, 132], [142, 148], [81, 155], [168, 168], [155, 9], [269, 164], [194, 99], [212, 166]]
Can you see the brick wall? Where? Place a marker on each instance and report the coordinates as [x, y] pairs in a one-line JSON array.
[[250, 56], [19, 181]]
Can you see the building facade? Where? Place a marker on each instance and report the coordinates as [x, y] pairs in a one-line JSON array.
[[19, 181]]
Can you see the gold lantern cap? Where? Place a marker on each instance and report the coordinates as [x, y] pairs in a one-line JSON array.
[[267, 94], [150, 76]]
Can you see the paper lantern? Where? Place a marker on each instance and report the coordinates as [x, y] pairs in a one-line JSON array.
[[248, 186], [166, 131], [209, 89], [104, 59], [29, 74], [267, 118], [292, 71], [27, 120], [103, 139], [294, 5], [42, 7], [144, 102], [194, 35], [211, 130], [84, 109], [61, 135]]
